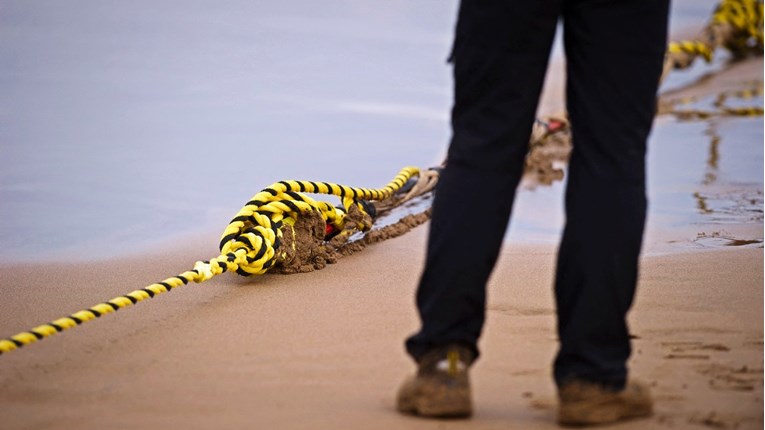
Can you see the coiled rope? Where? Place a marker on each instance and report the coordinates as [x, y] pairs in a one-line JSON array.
[[252, 242], [736, 25], [250, 245]]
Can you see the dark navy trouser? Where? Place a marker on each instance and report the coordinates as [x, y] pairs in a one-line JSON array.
[[614, 53]]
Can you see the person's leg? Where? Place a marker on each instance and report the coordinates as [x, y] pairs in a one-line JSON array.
[[614, 53], [500, 57]]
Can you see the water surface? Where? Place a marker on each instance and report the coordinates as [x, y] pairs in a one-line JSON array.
[[124, 124]]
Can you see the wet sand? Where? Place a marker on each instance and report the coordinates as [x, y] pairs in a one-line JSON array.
[[324, 349]]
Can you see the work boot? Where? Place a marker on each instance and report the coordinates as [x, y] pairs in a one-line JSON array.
[[441, 387], [586, 403]]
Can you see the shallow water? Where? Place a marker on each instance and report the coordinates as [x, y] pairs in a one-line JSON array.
[[703, 176], [123, 125], [715, 198], [132, 122]]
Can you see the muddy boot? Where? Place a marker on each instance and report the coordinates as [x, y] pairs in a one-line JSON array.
[[585, 403], [441, 387]]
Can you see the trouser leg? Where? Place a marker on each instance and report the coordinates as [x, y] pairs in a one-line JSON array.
[[614, 52], [500, 57]]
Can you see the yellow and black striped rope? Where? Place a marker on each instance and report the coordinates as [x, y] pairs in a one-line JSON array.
[[746, 17], [691, 47], [736, 25], [249, 246]]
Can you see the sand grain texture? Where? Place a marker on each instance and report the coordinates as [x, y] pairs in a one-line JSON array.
[[324, 349]]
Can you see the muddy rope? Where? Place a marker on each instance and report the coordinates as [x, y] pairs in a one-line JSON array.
[[736, 25], [252, 242], [271, 229]]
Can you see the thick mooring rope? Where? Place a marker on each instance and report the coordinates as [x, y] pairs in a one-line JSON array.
[[251, 243], [736, 25]]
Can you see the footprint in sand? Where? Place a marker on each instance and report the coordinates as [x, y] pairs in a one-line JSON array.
[[692, 350], [728, 378], [520, 311]]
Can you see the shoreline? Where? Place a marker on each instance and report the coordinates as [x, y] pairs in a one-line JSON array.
[[70, 243], [729, 79], [324, 350]]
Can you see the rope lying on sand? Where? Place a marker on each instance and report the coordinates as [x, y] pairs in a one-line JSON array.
[[736, 25], [255, 240], [550, 149], [282, 230]]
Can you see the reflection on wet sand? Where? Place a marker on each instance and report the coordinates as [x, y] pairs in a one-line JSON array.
[[705, 173], [714, 153], [717, 239], [746, 101], [149, 104], [740, 204], [701, 203], [729, 191]]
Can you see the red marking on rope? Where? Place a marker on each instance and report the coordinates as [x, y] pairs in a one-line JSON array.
[[554, 125]]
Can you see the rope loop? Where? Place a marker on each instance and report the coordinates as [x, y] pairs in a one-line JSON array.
[[736, 25], [256, 228], [746, 18], [250, 244]]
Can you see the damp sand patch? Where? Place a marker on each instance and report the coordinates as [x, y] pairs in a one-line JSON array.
[[706, 183]]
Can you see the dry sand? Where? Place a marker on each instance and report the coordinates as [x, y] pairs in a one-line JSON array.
[[324, 350]]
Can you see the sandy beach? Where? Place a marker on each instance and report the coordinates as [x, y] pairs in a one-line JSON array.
[[324, 350]]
